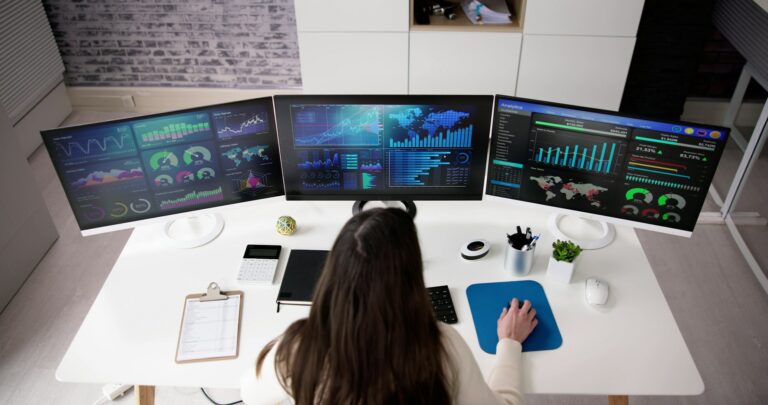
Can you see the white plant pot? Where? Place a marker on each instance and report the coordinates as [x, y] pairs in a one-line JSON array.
[[558, 271]]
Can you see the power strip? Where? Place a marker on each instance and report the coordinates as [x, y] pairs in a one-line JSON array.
[[112, 392]]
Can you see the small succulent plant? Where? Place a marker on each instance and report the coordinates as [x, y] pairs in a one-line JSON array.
[[565, 251]]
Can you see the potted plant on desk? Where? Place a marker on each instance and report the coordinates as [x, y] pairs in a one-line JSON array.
[[562, 262]]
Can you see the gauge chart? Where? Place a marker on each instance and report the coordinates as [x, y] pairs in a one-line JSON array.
[[671, 217], [671, 200], [639, 194], [164, 180], [197, 155], [630, 210], [163, 160], [185, 176], [206, 173]]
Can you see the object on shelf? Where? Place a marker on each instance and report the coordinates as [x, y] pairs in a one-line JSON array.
[[479, 13], [425, 8]]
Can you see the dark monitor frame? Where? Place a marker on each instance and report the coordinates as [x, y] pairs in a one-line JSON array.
[[117, 225], [282, 112], [592, 215]]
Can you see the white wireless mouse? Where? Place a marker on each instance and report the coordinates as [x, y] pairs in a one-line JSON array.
[[596, 291]]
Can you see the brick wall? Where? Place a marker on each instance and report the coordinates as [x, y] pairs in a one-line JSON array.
[[181, 43]]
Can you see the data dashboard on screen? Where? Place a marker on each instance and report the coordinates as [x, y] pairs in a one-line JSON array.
[[383, 147], [603, 163], [139, 168]]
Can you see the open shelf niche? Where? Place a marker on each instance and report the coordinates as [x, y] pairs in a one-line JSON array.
[[462, 23]]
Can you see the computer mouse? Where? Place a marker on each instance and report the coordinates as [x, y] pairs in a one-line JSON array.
[[596, 291]]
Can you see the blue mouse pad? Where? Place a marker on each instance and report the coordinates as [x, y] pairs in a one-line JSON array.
[[488, 299]]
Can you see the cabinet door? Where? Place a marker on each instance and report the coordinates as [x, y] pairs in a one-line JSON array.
[[463, 62], [27, 230], [352, 15], [583, 17], [585, 71], [348, 63]]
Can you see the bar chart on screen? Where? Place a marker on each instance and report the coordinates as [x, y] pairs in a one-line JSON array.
[[601, 158], [173, 129], [460, 138]]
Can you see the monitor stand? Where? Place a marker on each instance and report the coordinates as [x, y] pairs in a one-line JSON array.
[[407, 205], [193, 231], [582, 238]]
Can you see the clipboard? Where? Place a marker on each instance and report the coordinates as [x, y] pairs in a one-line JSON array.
[[205, 318]]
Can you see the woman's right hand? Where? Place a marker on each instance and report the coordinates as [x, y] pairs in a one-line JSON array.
[[516, 322]]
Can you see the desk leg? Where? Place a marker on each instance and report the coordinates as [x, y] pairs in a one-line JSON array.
[[145, 394], [618, 400]]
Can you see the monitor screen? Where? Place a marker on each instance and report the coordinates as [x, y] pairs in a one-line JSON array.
[[144, 167], [383, 147], [600, 162]]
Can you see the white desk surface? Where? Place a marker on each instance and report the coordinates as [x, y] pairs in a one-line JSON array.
[[631, 347]]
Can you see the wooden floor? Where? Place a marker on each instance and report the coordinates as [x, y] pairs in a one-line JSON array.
[[721, 310]]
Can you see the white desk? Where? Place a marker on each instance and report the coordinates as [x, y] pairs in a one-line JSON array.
[[631, 347]]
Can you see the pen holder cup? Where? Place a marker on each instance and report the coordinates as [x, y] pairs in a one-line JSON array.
[[518, 262]]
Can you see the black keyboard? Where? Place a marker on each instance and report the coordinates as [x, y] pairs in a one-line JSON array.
[[442, 304]]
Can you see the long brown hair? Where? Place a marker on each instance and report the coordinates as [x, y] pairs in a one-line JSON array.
[[371, 336]]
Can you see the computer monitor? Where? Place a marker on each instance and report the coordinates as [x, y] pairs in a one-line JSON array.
[[383, 147], [120, 173], [603, 165]]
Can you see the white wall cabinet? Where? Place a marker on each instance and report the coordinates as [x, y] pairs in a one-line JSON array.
[[463, 62], [363, 63], [585, 71], [574, 52], [583, 17], [352, 15], [26, 228], [353, 46]]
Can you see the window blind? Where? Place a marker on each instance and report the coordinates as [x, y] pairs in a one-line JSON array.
[[30, 65], [745, 24]]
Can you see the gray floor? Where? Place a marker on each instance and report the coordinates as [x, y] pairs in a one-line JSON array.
[[755, 196], [720, 308]]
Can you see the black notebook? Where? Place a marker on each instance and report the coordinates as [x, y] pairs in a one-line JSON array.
[[301, 274]]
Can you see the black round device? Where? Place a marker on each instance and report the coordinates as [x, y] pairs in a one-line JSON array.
[[475, 249]]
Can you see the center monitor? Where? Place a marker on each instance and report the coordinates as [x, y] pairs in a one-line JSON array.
[[384, 147], [603, 165]]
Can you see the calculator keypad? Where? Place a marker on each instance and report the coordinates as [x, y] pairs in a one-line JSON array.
[[257, 271]]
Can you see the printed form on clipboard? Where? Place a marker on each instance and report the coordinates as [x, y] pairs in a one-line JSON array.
[[210, 326]]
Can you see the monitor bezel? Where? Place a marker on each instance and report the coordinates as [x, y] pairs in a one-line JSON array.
[[589, 215], [45, 134], [284, 99]]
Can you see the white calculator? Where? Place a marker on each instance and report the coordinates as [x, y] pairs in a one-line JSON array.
[[259, 264]]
